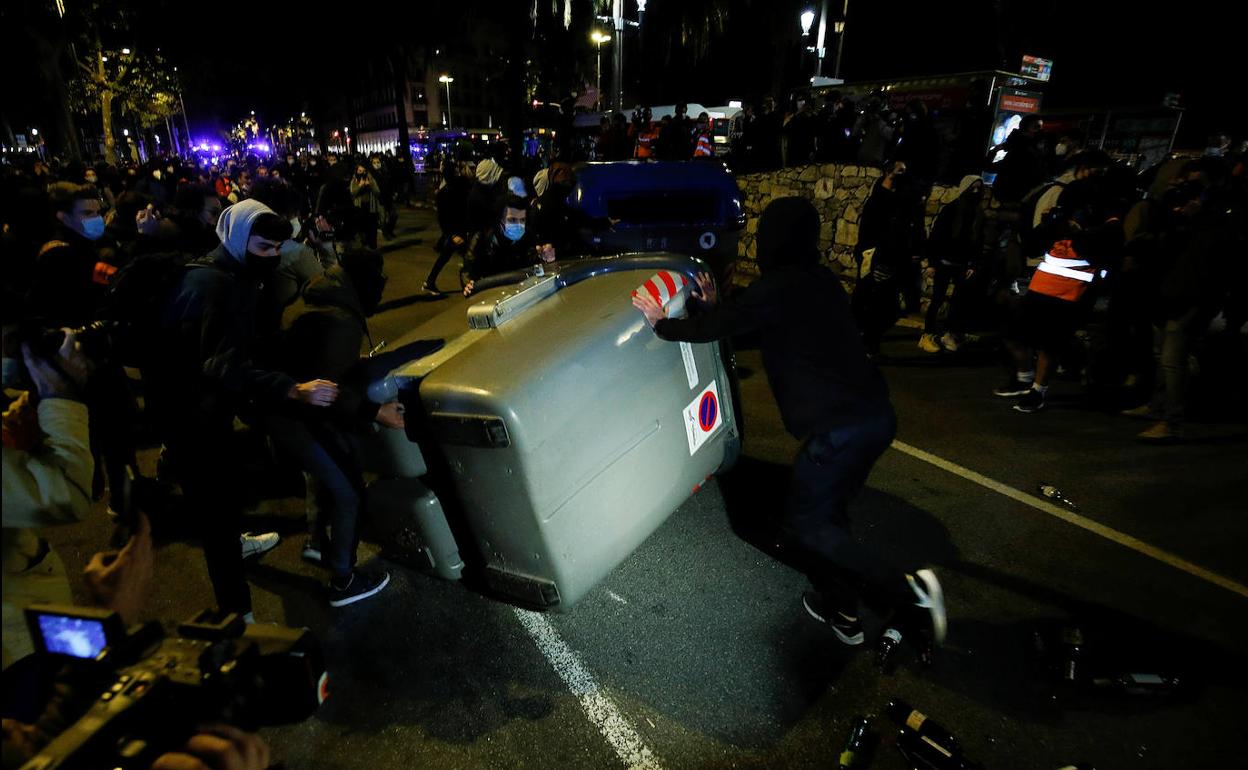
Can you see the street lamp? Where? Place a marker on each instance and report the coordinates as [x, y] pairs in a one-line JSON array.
[[446, 80], [599, 38], [807, 19]]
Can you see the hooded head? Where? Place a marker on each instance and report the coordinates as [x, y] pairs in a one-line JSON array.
[[969, 181], [252, 234], [788, 234], [489, 172], [516, 185]]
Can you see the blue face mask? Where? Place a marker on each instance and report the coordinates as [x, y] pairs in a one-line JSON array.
[[93, 228], [513, 230]]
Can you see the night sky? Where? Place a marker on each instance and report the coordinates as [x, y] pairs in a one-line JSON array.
[[238, 56]]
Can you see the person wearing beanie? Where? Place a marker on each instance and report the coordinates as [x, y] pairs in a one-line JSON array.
[[208, 376], [834, 400], [486, 193]]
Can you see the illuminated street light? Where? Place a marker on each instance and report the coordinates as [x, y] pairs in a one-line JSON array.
[[125, 52], [808, 19], [34, 132], [446, 80], [125, 132], [599, 38]]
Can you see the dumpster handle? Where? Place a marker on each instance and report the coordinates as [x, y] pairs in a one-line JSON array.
[[575, 271], [578, 271]]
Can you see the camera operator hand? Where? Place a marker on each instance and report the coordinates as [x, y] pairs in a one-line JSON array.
[[119, 579], [315, 393], [62, 377], [218, 747]]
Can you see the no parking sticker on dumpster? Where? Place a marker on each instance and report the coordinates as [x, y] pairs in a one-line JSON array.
[[703, 417]]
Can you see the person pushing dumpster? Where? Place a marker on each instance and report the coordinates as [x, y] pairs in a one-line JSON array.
[[834, 400]]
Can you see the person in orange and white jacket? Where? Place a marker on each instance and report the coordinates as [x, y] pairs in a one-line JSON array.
[[1085, 241]]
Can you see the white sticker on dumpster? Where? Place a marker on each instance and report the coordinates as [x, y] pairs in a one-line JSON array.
[[691, 366], [703, 417]]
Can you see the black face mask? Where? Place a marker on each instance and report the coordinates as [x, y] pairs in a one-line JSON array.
[[260, 267]]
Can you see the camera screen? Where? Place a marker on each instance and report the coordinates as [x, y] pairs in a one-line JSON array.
[[79, 637]]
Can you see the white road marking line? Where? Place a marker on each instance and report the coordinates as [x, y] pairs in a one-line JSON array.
[[1044, 506], [617, 597], [620, 735]]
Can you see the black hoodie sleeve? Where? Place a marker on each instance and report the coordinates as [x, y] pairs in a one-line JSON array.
[[225, 342], [755, 308]]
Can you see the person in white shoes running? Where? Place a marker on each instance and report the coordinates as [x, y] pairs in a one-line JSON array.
[[954, 249]]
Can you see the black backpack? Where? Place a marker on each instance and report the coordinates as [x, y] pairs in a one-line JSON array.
[[136, 300], [1033, 237]]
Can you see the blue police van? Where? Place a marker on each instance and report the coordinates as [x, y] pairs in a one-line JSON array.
[[687, 207]]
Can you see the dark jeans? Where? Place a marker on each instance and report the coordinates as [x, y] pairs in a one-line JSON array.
[[112, 417], [1174, 338], [829, 472], [368, 228], [446, 250], [210, 477], [321, 453], [876, 307]]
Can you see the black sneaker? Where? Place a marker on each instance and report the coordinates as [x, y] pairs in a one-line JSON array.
[[360, 585], [1030, 403], [1012, 389], [847, 629]]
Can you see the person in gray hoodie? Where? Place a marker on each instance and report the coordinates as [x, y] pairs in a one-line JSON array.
[[208, 376]]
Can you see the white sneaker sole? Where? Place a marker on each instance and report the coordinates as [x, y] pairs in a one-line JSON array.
[[852, 641], [932, 598], [353, 599]]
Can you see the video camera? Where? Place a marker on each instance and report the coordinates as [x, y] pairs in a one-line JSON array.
[[154, 690], [97, 339]]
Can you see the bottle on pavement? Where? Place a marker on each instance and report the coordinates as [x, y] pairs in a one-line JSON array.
[[1050, 492], [854, 754], [912, 720], [1072, 654], [925, 755], [886, 649]]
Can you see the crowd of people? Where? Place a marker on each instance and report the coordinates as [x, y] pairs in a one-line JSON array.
[[241, 292], [1091, 270], [233, 292]]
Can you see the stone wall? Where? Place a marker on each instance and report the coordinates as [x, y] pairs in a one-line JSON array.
[[838, 192]]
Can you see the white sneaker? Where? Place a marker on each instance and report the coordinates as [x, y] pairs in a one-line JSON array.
[[254, 544], [928, 344], [949, 342], [929, 596]]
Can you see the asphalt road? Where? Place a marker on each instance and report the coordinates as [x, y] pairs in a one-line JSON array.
[[696, 651]]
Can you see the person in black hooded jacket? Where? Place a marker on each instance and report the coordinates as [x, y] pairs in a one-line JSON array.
[[832, 398], [323, 332]]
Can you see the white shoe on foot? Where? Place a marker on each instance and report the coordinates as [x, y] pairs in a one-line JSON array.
[[254, 544]]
